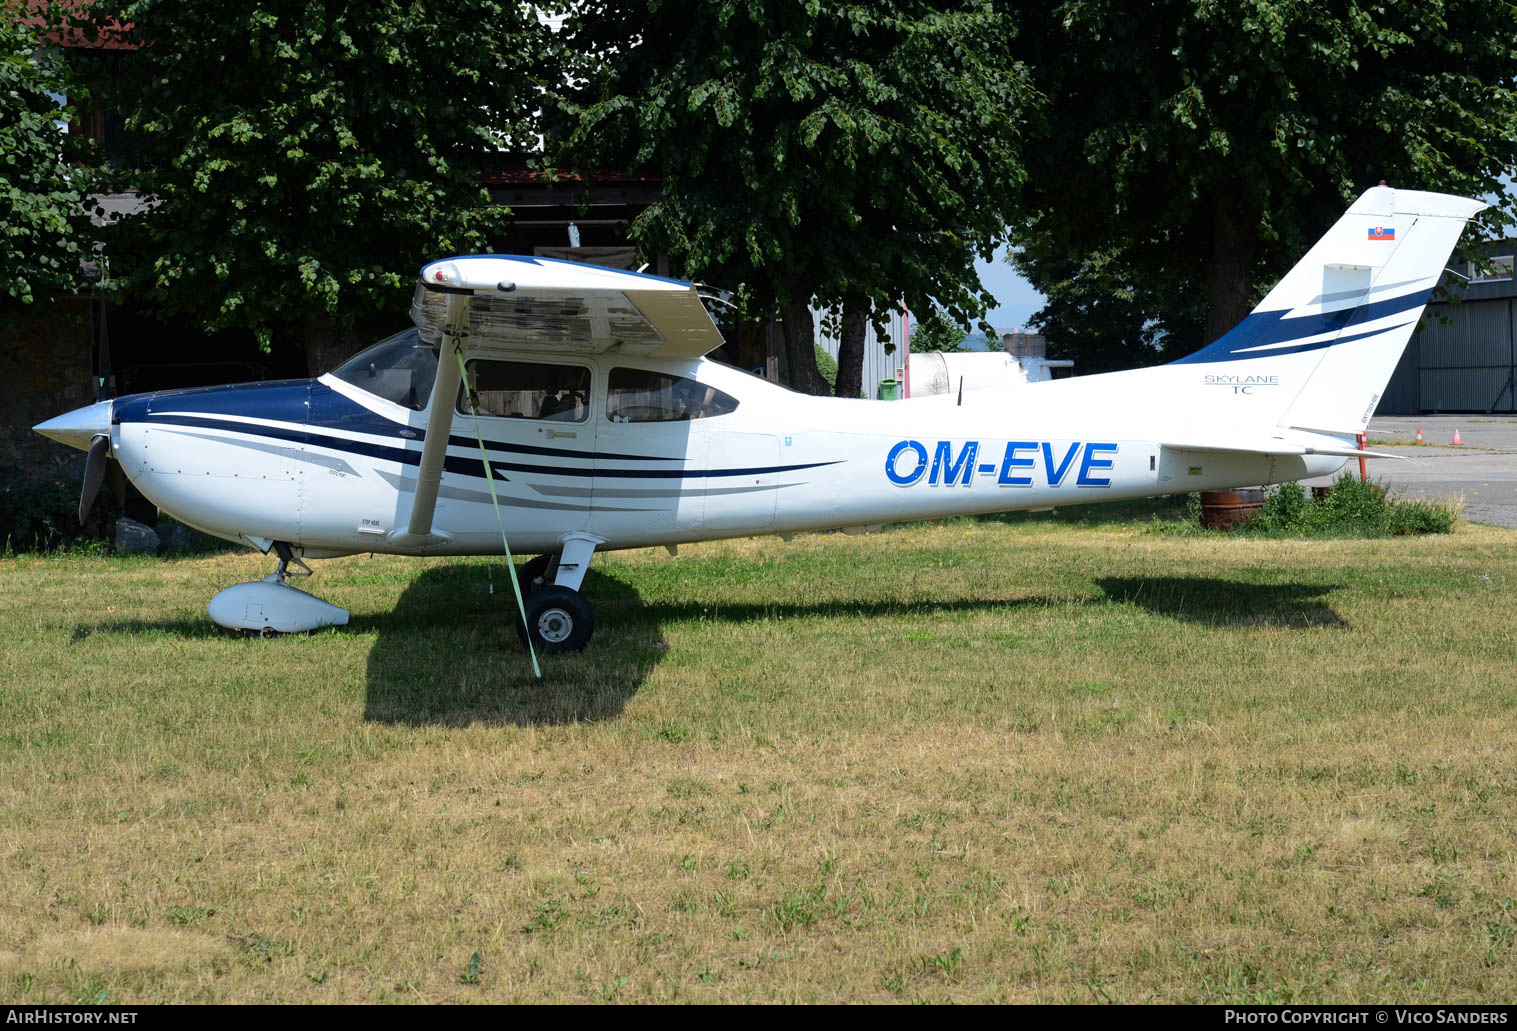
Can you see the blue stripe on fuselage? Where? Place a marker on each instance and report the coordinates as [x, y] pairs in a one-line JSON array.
[[313, 407], [1267, 328]]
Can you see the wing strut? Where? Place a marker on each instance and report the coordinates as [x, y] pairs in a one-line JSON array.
[[484, 456], [419, 532]]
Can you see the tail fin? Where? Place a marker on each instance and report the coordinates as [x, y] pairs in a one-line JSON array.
[[1324, 342]]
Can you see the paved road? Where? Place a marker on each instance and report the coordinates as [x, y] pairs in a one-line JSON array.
[[1483, 469]]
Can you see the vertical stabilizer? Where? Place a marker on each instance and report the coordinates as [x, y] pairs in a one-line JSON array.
[[1323, 344]]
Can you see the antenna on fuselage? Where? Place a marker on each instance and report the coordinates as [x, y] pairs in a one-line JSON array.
[[961, 392]]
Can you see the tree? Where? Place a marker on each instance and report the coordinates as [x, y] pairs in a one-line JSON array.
[[301, 160], [1194, 148], [848, 156], [44, 218], [937, 331], [1102, 312]]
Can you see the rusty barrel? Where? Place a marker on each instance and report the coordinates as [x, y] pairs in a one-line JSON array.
[[1224, 509]]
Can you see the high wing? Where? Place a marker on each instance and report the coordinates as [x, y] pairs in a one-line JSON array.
[[540, 305], [547, 305]]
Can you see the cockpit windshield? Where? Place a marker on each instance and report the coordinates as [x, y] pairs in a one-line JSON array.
[[400, 368]]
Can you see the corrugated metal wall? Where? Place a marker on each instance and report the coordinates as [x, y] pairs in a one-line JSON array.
[[877, 364], [1466, 365], [1403, 393], [1463, 359]]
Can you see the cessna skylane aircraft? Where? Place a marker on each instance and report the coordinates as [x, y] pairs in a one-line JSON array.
[[556, 409]]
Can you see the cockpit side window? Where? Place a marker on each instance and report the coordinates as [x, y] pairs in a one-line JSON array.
[[529, 390], [637, 395], [400, 368]]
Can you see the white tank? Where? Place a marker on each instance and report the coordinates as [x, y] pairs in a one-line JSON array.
[[935, 373]]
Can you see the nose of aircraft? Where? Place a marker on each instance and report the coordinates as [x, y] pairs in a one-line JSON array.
[[79, 427]]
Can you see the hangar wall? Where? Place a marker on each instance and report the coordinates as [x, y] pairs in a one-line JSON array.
[[1463, 358]]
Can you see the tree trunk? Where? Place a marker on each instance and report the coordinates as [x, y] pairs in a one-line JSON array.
[[850, 382], [1230, 276], [800, 348], [328, 346]]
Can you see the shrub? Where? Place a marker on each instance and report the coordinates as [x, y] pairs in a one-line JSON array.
[[1352, 508], [827, 366], [1409, 517], [45, 517], [1284, 508]]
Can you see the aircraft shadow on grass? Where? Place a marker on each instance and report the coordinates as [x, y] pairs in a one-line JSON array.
[[1214, 602], [449, 655], [187, 629]]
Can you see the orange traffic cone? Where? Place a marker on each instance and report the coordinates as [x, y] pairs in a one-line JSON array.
[[1419, 434], [1457, 441]]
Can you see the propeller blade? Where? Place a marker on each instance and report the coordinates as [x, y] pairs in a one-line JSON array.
[[94, 473]]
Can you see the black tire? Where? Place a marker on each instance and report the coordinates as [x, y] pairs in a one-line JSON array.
[[559, 618], [537, 574]]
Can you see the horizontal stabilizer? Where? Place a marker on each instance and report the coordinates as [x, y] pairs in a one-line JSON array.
[[1282, 447]]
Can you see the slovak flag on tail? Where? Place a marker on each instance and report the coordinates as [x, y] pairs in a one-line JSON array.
[[1382, 233]]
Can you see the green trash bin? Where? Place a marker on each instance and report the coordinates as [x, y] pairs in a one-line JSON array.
[[890, 390]]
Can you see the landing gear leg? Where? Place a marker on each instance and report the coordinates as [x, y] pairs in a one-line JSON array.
[[556, 615], [286, 556]]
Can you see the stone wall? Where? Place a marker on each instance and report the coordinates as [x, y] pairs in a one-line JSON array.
[[44, 371]]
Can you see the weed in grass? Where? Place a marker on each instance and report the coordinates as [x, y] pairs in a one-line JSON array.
[[947, 964], [547, 916], [261, 949], [797, 910], [191, 914]]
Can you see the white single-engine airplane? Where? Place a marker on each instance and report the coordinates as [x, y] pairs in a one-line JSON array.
[[604, 425]]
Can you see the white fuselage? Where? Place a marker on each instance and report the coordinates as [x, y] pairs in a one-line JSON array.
[[331, 468]]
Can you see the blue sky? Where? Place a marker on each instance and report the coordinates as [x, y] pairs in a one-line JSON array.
[[1016, 298]]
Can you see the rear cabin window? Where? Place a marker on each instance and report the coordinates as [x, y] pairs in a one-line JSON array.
[[637, 395], [528, 390]]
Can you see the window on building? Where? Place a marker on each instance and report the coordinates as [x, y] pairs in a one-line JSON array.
[[637, 395], [528, 390], [1500, 273]]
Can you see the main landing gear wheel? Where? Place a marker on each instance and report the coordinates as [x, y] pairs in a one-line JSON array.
[[537, 574], [559, 619]]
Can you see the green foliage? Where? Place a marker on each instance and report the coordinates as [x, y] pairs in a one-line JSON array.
[[1106, 313], [937, 331], [856, 155], [1284, 508], [1353, 508], [1193, 508], [826, 365], [303, 159], [1409, 518], [1195, 149], [44, 223], [45, 517]]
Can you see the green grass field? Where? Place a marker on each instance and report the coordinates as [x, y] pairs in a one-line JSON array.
[[1031, 759]]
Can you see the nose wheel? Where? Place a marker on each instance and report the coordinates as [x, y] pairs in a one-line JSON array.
[[558, 620]]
